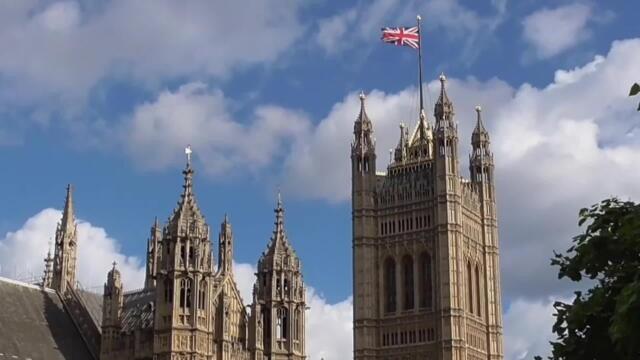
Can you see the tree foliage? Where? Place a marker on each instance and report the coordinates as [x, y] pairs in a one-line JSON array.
[[603, 322], [635, 90]]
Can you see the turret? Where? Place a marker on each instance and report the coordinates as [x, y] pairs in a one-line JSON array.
[[153, 254], [184, 274], [47, 277], [225, 248], [481, 158], [400, 154], [446, 137], [64, 262], [363, 148], [281, 294], [112, 302]]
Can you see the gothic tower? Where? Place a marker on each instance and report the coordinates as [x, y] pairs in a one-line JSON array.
[[278, 310], [66, 242], [112, 301], [425, 254], [183, 327]]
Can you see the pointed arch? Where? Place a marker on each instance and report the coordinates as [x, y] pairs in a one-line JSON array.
[[390, 285], [478, 298], [469, 288], [202, 295], [407, 275], [426, 281]]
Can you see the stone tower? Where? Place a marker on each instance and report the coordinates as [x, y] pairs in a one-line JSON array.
[[182, 325], [425, 246], [277, 320], [66, 243]]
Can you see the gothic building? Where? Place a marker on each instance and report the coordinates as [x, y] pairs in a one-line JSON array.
[[425, 244], [190, 306]]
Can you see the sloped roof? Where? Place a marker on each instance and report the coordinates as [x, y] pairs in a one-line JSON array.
[[35, 325], [93, 304], [137, 312]]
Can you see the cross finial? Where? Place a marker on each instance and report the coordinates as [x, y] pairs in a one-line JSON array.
[[114, 264], [188, 152]]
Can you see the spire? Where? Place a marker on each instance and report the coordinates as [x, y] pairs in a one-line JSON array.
[[279, 242], [401, 148], [153, 249], [225, 247], [479, 124], [443, 109], [64, 257], [68, 216], [187, 205], [480, 135], [481, 158], [422, 133], [362, 131], [48, 269]]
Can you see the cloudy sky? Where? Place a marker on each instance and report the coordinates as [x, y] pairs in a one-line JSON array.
[[105, 95]]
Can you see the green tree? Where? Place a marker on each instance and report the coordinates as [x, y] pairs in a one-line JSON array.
[[635, 90], [603, 322]]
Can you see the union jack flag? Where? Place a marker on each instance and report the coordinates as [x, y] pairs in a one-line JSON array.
[[402, 36]]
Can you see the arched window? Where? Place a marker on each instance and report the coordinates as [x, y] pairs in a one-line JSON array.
[[168, 290], [469, 288], [390, 285], [426, 281], [183, 292], [298, 324], [478, 305], [282, 323], [407, 274], [202, 295], [189, 293]]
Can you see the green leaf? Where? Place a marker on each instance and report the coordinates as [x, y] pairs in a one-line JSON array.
[[635, 89]]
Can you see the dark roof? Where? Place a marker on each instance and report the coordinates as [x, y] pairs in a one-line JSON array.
[[35, 325], [93, 304], [137, 312]]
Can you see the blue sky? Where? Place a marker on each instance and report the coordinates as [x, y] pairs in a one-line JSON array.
[[106, 95]]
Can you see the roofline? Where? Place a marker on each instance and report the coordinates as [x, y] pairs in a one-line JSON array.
[[24, 284]]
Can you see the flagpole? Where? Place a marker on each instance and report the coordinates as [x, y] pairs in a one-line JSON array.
[[418, 18]]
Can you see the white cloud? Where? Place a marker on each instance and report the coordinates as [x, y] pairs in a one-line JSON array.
[[557, 148], [59, 51], [329, 328], [157, 132], [363, 21], [527, 328], [22, 252], [553, 31]]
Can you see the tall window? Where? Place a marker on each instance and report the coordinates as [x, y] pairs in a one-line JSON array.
[[407, 269], [390, 285], [426, 281], [298, 322], [202, 294], [478, 305], [470, 287], [185, 293], [168, 290], [282, 325]]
